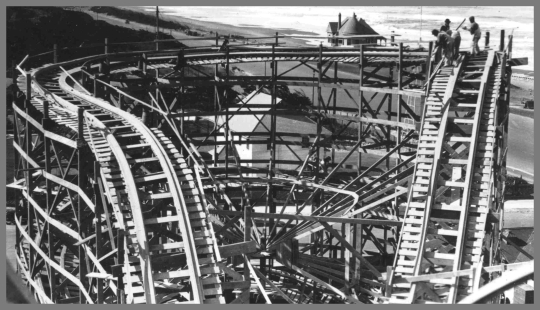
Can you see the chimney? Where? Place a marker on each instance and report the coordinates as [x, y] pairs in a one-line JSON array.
[[354, 15], [339, 21]]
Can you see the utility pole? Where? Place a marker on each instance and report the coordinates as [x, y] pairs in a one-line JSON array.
[[157, 22], [157, 27]]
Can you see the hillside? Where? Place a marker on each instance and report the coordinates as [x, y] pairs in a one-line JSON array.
[[35, 30]]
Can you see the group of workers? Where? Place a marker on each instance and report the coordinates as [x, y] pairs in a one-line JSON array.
[[449, 40]]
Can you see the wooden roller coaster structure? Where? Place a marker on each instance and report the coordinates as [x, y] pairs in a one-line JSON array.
[[124, 197]]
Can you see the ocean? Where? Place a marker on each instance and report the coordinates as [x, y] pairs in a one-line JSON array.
[[411, 22]]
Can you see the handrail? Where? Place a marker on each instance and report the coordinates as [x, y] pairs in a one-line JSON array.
[[508, 279], [95, 45]]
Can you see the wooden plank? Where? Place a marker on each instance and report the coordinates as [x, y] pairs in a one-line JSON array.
[[240, 248], [327, 219], [235, 285], [261, 287]]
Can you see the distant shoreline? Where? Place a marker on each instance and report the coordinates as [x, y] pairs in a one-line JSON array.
[[252, 30]]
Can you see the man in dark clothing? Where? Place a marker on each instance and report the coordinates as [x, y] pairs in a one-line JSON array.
[[447, 45], [454, 34], [224, 45], [180, 61], [457, 42], [476, 33], [446, 27]]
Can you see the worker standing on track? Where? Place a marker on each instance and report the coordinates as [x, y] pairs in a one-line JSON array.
[[180, 61], [456, 36], [476, 33], [447, 45], [446, 27]]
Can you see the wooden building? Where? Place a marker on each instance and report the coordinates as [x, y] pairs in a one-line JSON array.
[[351, 26]]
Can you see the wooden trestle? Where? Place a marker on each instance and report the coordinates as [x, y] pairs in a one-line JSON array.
[[452, 188], [117, 204]]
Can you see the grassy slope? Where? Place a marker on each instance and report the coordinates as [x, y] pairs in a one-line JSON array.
[[35, 30]]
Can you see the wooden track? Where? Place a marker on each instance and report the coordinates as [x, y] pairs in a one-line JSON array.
[[188, 240], [450, 198], [159, 230]]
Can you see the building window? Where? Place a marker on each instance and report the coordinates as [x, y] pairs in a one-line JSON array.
[[340, 42]]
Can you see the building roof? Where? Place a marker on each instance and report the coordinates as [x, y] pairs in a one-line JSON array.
[[351, 26], [354, 26], [332, 27]]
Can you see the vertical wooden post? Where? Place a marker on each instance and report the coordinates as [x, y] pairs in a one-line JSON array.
[[140, 63], [428, 69], [94, 78], [152, 112], [277, 39], [389, 277], [247, 237], [80, 180], [334, 106], [45, 122], [510, 40], [357, 243], [28, 175], [157, 28], [84, 77], [347, 261], [98, 211], [55, 53], [501, 46], [16, 157], [343, 227], [225, 104], [486, 44], [106, 46], [389, 110], [360, 102], [180, 98], [398, 129], [317, 198], [216, 109], [270, 189], [144, 65], [118, 268]]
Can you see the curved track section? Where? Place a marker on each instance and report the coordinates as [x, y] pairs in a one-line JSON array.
[[154, 201]]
